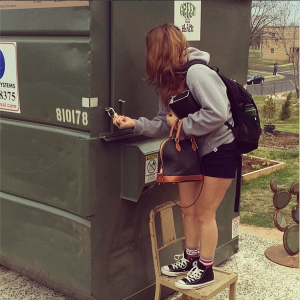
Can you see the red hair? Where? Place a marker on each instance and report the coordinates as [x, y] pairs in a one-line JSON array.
[[165, 67]]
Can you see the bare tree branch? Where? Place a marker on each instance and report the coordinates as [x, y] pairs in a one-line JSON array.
[[266, 13]]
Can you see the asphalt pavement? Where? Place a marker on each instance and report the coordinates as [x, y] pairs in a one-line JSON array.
[[284, 81]]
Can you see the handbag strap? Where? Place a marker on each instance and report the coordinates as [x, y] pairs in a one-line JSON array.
[[173, 127], [193, 141], [178, 148], [178, 130]]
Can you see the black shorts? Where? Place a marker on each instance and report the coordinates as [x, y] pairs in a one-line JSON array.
[[222, 163]]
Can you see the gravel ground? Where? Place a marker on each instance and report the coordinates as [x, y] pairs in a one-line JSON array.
[[259, 278]]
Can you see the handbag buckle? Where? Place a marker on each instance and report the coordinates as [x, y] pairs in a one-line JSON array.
[[194, 144], [177, 145]]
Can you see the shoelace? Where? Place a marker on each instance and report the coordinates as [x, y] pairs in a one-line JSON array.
[[194, 274], [181, 261]]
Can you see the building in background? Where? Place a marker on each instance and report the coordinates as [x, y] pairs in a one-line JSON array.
[[280, 43]]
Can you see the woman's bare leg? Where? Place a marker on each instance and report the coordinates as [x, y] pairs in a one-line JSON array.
[[188, 192], [199, 220], [211, 196], [200, 229]]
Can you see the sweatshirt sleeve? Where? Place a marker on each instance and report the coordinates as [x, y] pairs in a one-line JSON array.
[[209, 90], [157, 127]]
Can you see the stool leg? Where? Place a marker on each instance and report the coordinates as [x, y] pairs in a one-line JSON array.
[[232, 291], [157, 291]]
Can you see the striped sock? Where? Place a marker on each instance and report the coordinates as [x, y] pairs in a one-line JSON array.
[[207, 262], [191, 253]]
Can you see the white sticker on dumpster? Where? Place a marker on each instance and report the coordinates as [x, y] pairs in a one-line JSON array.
[[9, 87], [235, 227], [151, 167], [187, 16]]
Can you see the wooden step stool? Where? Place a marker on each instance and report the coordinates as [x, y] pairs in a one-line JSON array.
[[223, 279]]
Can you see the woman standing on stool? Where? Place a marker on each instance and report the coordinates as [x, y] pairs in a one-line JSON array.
[[167, 54]]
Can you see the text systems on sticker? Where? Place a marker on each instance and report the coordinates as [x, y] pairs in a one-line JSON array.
[[9, 88]]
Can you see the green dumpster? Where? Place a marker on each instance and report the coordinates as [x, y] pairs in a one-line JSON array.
[[75, 192]]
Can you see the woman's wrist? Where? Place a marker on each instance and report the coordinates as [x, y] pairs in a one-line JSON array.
[[132, 123], [177, 123]]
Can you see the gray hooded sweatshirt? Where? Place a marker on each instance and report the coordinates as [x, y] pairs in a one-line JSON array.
[[207, 123]]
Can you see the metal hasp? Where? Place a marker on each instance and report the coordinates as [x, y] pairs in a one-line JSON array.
[[76, 192]]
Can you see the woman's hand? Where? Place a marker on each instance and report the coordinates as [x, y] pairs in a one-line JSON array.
[[123, 122], [171, 118]]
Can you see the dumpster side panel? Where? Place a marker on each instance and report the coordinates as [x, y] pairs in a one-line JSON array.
[[46, 243], [53, 75], [129, 54], [45, 21], [48, 165], [225, 33], [47, 168]]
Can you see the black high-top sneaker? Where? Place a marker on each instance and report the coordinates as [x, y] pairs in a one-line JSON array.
[[181, 266], [198, 277]]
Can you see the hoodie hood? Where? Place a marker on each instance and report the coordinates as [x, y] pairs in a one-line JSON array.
[[197, 54]]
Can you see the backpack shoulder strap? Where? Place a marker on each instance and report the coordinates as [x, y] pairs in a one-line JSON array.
[[194, 62]]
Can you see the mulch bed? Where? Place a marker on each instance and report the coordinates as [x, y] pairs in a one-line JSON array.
[[251, 164], [281, 140]]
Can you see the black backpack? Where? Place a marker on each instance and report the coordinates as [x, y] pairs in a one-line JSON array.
[[246, 128]]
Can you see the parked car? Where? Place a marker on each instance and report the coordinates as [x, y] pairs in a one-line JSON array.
[[255, 78]]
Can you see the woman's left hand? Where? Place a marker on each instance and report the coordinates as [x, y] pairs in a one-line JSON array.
[[171, 118]]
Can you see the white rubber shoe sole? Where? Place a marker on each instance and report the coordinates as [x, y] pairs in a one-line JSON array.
[[172, 274], [181, 285]]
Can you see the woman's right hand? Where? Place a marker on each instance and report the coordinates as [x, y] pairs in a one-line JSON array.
[[171, 118], [123, 122]]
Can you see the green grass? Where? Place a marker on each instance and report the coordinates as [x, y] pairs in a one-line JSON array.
[[289, 125], [256, 196]]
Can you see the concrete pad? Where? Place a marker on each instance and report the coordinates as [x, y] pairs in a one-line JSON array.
[[14, 286], [259, 278]]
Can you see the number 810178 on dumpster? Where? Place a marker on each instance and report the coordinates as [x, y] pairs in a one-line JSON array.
[[72, 116]]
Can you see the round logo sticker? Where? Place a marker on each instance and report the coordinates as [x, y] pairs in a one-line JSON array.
[[2, 64]]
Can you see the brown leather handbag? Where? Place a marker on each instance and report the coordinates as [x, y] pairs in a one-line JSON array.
[[179, 160]]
